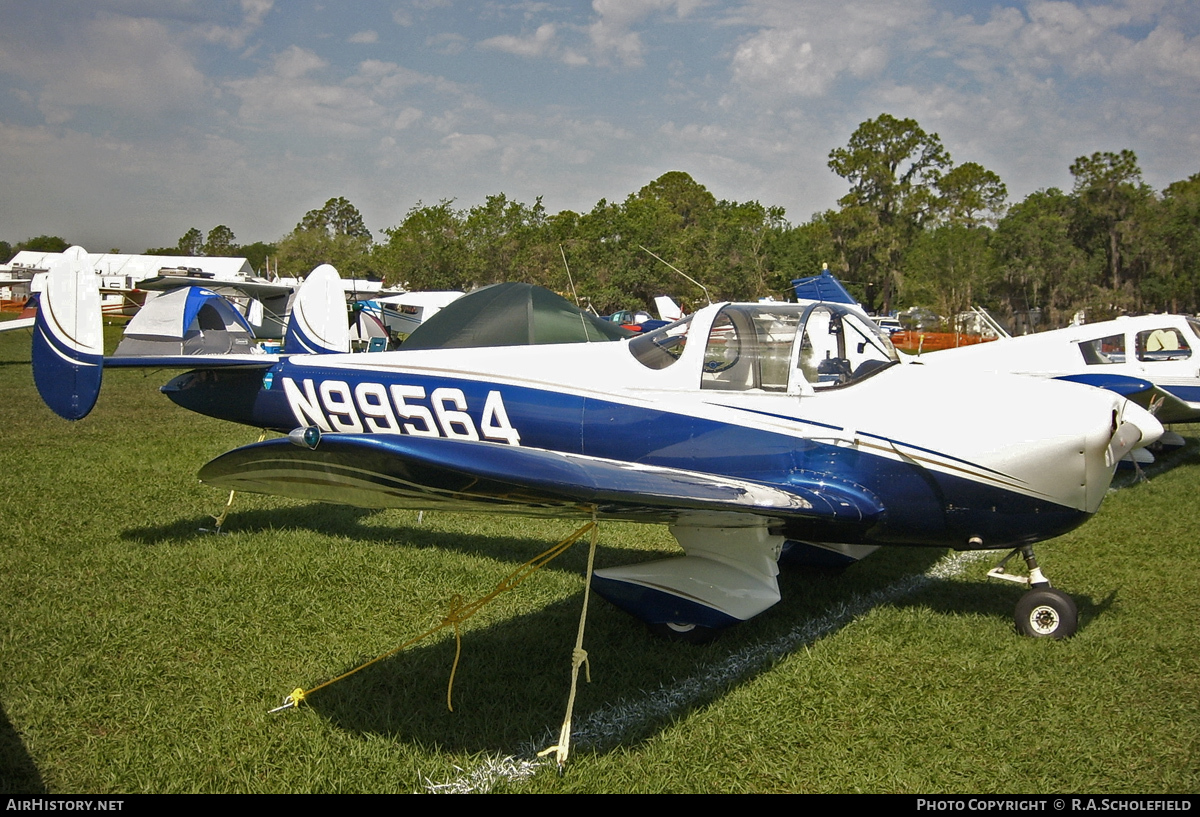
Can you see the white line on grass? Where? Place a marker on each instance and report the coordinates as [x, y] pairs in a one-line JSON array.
[[608, 726]]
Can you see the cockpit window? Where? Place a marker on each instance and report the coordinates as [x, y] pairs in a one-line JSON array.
[[838, 347], [1102, 351], [1162, 344], [750, 347], [662, 347]]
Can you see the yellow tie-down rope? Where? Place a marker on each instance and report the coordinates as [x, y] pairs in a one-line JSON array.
[[220, 520], [579, 657], [460, 612]]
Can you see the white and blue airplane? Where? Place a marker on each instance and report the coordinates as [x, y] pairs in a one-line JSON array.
[[1153, 359], [748, 429]]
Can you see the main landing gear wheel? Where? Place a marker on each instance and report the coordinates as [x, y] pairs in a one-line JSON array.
[[687, 633], [1046, 613]]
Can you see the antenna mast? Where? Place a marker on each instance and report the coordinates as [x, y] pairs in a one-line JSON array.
[[681, 272]]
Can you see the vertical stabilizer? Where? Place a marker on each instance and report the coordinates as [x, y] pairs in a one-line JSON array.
[[668, 310], [823, 287], [68, 341], [319, 324]]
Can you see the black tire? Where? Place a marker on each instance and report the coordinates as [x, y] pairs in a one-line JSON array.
[[687, 633], [1046, 613]]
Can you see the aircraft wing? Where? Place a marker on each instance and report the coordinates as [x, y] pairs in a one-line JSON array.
[[254, 289], [402, 471], [1166, 407]]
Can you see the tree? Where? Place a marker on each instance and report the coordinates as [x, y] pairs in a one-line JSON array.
[[43, 243], [738, 266], [683, 195], [949, 263], [970, 196], [796, 251], [1039, 265], [424, 251], [334, 234], [1175, 283], [257, 254], [1109, 186], [949, 267], [500, 237], [892, 166], [337, 217], [220, 242], [192, 243]]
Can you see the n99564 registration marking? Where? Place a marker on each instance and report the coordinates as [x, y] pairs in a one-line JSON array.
[[336, 406]]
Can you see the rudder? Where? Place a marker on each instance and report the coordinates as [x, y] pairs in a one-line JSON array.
[[68, 340]]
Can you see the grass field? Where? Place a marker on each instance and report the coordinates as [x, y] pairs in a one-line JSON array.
[[138, 654]]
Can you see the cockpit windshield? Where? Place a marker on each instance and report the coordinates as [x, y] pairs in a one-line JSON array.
[[754, 347], [662, 347], [839, 347]]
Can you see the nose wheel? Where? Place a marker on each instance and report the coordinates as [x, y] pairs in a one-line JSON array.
[[1043, 612], [1046, 613]]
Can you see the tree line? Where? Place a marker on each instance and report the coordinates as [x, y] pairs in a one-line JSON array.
[[914, 228]]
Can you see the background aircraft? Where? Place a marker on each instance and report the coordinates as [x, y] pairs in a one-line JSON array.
[[1153, 360]]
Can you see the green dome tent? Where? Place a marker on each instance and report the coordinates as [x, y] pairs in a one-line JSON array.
[[511, 315]]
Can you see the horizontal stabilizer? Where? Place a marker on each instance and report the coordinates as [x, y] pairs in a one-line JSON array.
[[19, 323], [68, 339], [401, 471], [189, 361]]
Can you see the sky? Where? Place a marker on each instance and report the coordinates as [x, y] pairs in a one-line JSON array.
[[123, 123]]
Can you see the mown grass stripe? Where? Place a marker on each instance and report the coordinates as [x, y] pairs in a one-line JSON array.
[[610, 725]]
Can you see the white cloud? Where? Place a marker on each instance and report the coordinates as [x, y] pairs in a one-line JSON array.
[[1020, 89], [612, 34], [1066, 41], [406, 117], [364, 37], [537, 44], [611, 31], [447, 43], [298, 94], [805, 50], [1166, 57], [294, 62], [254, 11], [410, 12], [468, 146]]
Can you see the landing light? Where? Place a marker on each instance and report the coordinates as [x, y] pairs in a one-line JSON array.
[[305, 437]]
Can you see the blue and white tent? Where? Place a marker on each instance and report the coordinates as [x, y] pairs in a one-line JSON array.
[[187, 321]]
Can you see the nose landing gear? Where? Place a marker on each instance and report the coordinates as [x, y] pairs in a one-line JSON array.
[[1043, 612]]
